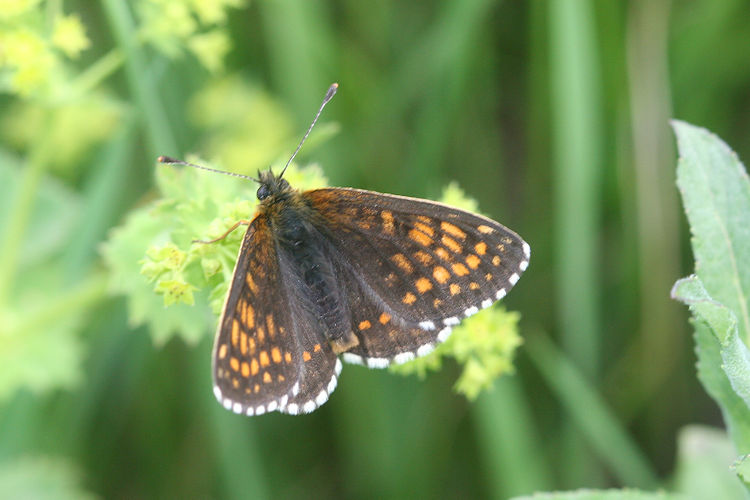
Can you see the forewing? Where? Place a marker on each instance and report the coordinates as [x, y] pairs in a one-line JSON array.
[[256, 359], [414, 267]]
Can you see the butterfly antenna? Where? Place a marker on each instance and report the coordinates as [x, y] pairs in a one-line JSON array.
[[168, 160], [329, 95]]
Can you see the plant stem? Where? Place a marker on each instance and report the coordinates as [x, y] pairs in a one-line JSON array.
[[98, 72], [590, 414], [21, 210]]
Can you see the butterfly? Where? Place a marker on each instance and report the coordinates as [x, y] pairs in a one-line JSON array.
[[335, 273]]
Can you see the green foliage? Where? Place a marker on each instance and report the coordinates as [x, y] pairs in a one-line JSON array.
[[39, 345], [702, 457], [32, 57], [716, 194], [42, 479], [553, 115], [604, 495], [197, 25]]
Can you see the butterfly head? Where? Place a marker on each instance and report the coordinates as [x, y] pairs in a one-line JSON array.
[[271, 185]]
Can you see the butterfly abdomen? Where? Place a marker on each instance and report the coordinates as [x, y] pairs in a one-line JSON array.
[[305, 248]]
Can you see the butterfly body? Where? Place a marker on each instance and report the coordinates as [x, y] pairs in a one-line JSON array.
[[376, 278]]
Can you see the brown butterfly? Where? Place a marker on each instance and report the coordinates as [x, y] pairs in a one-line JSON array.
[[374, 278]]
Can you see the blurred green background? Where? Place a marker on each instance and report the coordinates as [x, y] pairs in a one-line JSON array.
[[553, 115]]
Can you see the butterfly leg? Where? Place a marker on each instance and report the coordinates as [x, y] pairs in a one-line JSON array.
[[235, 226]]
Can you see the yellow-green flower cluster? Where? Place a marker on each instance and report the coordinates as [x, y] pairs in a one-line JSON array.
[[172, 25], [32, 55]]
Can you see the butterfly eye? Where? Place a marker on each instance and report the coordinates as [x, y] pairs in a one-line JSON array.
[[263, 192]]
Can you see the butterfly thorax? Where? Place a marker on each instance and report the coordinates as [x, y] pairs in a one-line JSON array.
[[301, 244]]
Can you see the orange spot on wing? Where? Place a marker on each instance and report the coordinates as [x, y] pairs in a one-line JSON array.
[[384, 318], [264, 361], [266, 378], [288, 357], [424, 218], [251, 283], [474, 285], [243, 343], [443, 253], [424, 228], [251, 345], [409, 298], [481, 248], [249, 316], [423, 284], [235, 383], [261, 334], [473, 261], [306, 356], [364, 325], [423, 257], [270, 325], [455, 289], [452, 244], [441, 274], [281, 377], [459, 270], [235, 333], [420, 237], [485, 229], [387, 217], [256, 388], [402, 262], [245, 369], [254, 366], [452, 230], [316, 348], [496, 260], [488, 276], [436, 303], [222, 351], [276, 355], [234, 363]]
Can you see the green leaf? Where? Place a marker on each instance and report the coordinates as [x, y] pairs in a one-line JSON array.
[[702, 457], [723, 323], [604, 495], [123, 253], [716, 195], [41, 479], [741, 467], [54, 215]]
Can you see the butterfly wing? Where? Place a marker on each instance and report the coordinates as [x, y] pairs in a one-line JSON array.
[[267, 353], [413, 268]]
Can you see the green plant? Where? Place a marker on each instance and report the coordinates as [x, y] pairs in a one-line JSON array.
[[715, 191]]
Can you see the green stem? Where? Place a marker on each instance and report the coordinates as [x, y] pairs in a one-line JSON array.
[[21, 210], [590, 414], [140, 78], [98, 72]]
